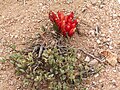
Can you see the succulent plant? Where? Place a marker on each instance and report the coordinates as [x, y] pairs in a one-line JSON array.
[[57, 66], [66, 24]]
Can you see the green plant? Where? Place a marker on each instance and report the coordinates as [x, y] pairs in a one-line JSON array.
[[56, 66]]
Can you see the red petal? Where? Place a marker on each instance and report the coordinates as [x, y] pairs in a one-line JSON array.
[[66, 19], [58, 23], [70, 20], [67, 28], [63, 32], [52, 16], [61, 15], [71, 15], [71, 32], [63, 24], [74, 23]]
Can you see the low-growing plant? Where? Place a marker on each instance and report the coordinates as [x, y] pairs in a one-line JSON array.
[[56, 66]]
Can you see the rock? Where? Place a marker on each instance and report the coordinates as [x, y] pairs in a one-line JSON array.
[[96, 75], [93, 62], [114, 71], [110, 47], [113, 82], [98, 41], [87, 59], [93, 2], [111, 58], [78, 55]]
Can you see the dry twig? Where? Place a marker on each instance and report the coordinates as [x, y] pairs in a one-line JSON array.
[[94, 57]]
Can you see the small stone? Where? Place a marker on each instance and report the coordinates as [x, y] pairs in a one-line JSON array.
[[16, 36], [103, 35], [96, 75], [114, 71], [87, 59], [78, 55], [109, 39], [100, 80], [93, 62], [98, 41], [114, 82], [110, 47], [94, 84], [93, 2]]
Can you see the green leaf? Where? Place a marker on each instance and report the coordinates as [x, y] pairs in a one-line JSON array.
[[13, 46], [62, 71], [22, 70], [2, 60], [55, 27], [65, 87]]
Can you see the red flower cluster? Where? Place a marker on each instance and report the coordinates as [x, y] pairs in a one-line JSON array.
[[66, 24]]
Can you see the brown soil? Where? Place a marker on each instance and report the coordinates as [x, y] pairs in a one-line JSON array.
[[22, 19]]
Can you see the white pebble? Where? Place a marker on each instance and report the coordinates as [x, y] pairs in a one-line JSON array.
[[87, 59], [110, 47], [98, 41]]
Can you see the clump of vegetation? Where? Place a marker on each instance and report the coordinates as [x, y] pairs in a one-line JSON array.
[[56, 66]]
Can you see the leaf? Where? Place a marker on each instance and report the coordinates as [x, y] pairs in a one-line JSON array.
[[13, 46], [26, 82], [65, 87], [62, 71], [38, 78], [30, 56], [55, 27], [2, 60], [22, 70]]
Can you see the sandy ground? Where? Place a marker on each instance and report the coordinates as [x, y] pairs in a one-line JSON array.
[[22, 19]]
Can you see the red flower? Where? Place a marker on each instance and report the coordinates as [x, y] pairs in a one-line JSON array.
[[66, 24]]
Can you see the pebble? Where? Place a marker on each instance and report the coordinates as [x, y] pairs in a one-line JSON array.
[[96, 75], [87, 59], [98, 41], [78, 55], [114, 82], [93, 62], [103, 35], [93, 2], [100, 80], [110, 47], [109, 39], [94, 83], [114, 71]]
